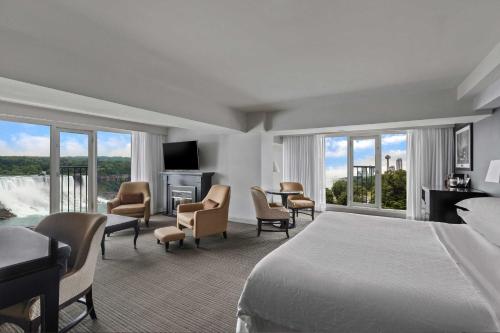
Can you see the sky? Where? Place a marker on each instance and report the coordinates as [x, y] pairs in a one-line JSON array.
[[364, 154], [21, 139]]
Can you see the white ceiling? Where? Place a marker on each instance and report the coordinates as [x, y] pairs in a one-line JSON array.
[[202, 59]]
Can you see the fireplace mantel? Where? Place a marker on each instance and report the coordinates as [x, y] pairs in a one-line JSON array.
[[195, 182]]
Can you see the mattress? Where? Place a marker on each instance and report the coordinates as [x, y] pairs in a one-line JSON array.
[[357, 273]]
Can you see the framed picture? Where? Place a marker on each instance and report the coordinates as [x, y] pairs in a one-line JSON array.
[[463, 148]]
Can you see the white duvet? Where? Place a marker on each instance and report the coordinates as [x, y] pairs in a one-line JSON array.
[[353, 273]]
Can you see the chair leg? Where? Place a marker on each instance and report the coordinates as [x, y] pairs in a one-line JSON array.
[[157, 241], [89, 302], [224, 234], [286, 228], [259, 227], [293, 214], [166, 246], [197, 241], [312, 213], [181, 242]]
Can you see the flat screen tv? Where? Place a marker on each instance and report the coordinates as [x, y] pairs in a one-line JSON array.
[[181, 155]]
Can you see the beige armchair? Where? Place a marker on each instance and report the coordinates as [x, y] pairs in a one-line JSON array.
[[133, 199], [298, 203], [83, 233], [208, 217], [267, 213]]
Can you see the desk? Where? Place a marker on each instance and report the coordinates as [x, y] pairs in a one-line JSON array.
[[31, 265], [439, 202]]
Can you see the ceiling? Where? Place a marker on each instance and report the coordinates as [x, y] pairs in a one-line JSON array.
[[204, 59]]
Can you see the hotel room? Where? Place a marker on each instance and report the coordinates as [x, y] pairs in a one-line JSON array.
[[243, 166]]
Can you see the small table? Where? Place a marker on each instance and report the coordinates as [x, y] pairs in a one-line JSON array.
[[284, 195], [118, 223], [31, 265]]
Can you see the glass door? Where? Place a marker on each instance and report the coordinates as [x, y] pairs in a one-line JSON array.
[[75, 172], [364, 174]]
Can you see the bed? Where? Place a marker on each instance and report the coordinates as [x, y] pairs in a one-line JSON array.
[[356, 273]]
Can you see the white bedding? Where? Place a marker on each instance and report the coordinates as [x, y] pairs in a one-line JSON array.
[[354, 273]]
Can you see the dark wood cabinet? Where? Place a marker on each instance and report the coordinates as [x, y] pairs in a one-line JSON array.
[[438, 203], [184, 187]]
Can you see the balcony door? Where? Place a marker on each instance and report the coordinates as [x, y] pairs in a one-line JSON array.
[[364, 171], [75, 171]]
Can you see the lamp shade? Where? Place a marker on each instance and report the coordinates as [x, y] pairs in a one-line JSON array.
[[493, 175]]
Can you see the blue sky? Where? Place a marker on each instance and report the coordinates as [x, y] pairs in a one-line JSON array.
[[364, 151], [21, 139]]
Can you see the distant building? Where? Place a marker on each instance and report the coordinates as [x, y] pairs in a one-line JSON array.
[[391, 168], [399, 164]]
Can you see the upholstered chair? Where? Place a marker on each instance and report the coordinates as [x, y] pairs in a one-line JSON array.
[[83, 233], [267, 213], [208, 217], [133, 199], [298, 203]]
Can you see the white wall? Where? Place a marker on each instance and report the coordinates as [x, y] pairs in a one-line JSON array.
[[236, 161]]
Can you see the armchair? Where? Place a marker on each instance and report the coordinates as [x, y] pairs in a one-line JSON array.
[[268, 213], [208, 217], [298, 203], [133, 199]]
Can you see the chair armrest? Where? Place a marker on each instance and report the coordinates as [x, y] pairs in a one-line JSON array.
[[275, 204], [208, 221], [112, 204], [189, 207]]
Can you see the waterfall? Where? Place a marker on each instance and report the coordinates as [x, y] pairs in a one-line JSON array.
[[25, 195], [30, 195]]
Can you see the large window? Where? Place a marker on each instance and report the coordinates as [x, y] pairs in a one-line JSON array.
[[113, 165], [366, 170], [24, 173]]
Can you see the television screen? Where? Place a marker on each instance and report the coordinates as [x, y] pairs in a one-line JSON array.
[[181, 155]]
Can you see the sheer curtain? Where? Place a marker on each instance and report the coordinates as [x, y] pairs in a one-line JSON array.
[[304, 162], [147, 163], [430, 159]]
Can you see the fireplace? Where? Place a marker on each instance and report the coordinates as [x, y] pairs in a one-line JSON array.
[[181, 195], [184, 187]]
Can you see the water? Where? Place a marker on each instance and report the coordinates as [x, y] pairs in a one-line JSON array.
[[28, 197]]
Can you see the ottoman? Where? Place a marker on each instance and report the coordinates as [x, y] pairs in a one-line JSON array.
[[169, 234]]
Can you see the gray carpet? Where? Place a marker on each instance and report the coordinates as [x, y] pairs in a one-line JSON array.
[[186, 290]]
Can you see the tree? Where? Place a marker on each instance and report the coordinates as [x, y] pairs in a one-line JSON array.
[[394, 189], [339, 190]]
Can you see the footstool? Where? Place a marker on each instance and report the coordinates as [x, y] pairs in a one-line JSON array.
[[169, 234]]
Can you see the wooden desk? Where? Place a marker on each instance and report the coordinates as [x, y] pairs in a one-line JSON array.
[[439, 202], [31, 265]]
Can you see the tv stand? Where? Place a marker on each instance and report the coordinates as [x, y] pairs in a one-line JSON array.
[[184, 187]]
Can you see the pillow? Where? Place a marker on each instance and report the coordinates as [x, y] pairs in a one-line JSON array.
[[131, 198], [482, 215], [210, 204]]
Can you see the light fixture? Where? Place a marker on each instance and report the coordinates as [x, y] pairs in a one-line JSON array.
[[493, 175]]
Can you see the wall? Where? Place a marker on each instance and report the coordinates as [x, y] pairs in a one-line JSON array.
[[236, 161], [486, 148]]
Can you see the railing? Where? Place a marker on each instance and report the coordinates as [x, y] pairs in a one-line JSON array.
[[363, 179], [74, 190]]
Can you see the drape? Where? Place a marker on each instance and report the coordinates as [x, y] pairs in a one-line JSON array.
[[304, 162], [430, 159], [147, 163]]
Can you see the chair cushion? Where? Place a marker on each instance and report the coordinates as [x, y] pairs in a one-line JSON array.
[[168, 234], [131, 198], [301, 204], [186, 218], [209, 204], [129, 209]]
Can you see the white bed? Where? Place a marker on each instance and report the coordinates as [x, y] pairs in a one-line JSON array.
[[356, 273]]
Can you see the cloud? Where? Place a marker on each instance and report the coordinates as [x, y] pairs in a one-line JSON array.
[[335, 147], [72, 147], [393, 138], [24, 144], [333, 173], [114, 146]]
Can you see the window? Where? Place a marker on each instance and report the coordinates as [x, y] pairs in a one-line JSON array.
[[336, 170], [394, 171], [368, 170], [113, 165], [24, 173]]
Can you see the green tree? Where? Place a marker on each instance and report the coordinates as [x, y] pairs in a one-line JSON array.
[[339, 190], [394, 189]]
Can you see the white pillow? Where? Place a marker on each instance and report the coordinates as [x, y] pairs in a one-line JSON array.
[[482, 215]]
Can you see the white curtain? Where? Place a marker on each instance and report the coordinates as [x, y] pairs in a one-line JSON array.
[[430, 159], [304, 162], [147, 163]]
